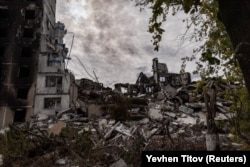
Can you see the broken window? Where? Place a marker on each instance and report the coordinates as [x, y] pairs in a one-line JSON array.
[[54, 60], [2, 50], [24, 72], [26, 52], [149, 90], [19, 115], [30, 14], [162, 79], [3, 32], [22, 93], [28, 32], [52, 103], [4, 13], [54, 81]]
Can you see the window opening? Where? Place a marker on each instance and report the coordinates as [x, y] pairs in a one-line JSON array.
[[4, 13], [3, 32], [28, 32], [54, 60], [30, 14], [22, 93], [162, 79], [52, 103], [24, 72], [54, 81], [19, 115], [26, 52]]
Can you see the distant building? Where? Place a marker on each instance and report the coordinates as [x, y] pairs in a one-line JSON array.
[[163, 77], [33, 78]]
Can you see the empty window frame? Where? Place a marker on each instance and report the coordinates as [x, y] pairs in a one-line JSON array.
[[30, 14], [54, 60], [19, 115], [162, 79], [4, 13], [54, 81], [26, 52], [24, 72], [3, 32], [28, 32], [22, 93], [2, 51], [52, 103]]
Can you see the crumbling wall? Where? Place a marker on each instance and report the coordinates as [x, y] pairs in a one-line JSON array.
[[54, 82], [50, 104]]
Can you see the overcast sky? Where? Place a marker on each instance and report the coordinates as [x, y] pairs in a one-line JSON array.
[[111, 39]]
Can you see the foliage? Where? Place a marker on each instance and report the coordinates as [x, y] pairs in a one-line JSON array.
[[20, 146], [241, 106]]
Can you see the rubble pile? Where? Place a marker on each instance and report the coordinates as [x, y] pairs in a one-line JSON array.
[[169, 119], [111, 127]]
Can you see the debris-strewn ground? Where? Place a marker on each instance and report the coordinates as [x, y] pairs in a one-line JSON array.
[[108, 128]]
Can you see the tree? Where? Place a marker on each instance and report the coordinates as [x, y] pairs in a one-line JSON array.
[[235, 17], [226, 24]]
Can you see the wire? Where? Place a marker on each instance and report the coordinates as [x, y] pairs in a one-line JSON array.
[[85, 68]]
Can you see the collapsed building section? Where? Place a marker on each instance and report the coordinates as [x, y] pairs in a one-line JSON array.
[[32, 56], [161, 80]]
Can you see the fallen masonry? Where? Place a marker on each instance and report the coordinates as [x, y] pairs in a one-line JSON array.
[[114, 126]]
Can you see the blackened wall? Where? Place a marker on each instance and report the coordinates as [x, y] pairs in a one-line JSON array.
[[19, 49]]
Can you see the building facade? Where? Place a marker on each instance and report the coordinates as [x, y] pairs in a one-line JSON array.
[[33, 77]]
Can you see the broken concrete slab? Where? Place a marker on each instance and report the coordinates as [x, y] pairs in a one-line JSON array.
[[196, 105], [169, 91], [123, 130], [186, 110], [187, 120], [56, 128], [61, 162], [168, 106], [119, 163], [170, 114], [223, 116], [144, 121], [160, 96], [102, 124], [42, 117], [155, 114]]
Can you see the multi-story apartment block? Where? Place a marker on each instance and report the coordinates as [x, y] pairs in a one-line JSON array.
[[33, 78]]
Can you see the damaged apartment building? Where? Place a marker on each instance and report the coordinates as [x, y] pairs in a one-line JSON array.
[[161, 80], [33, 77]]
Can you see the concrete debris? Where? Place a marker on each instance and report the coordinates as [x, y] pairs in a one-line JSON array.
[[153, 114], [56, 128], [186, 109], [42, 117], [187, 120], [61, 162], [119, 163]]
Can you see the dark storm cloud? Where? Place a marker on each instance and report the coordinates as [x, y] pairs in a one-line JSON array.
[[111, 39]]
